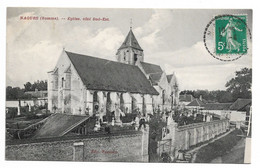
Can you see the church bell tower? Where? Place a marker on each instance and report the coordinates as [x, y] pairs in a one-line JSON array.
[[130, 51]]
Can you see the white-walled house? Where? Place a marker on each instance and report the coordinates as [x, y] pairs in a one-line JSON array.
[[220, 109], [235, 112], [239, 109]]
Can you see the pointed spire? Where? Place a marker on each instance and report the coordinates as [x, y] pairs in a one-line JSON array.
[[131, 24], [130, 41]]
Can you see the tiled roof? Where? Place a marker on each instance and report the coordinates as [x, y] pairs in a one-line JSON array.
[[58, 125], [196, 102], [217, 106], [186, 98], [106, 75], [239, 104], [130, 41]]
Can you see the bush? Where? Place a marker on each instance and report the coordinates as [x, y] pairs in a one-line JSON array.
[[12, 112], [129, 117]]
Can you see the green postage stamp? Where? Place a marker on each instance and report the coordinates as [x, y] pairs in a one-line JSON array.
[[231, 35]]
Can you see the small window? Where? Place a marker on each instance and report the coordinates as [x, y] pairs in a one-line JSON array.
[[135, 57], [163, 97], [62, 82]]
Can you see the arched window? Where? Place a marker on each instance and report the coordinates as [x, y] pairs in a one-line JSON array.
[[172, 99], [62, 82], [122, 103], [108, 103], [135, 57], [95, 102], [163, 97]]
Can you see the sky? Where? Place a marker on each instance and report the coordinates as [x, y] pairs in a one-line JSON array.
[[172, 38]]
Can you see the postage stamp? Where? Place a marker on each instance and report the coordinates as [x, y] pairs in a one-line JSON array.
[[230, 35], [226, 37]]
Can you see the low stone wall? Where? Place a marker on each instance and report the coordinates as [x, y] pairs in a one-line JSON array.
[[191, 135], [185, 137], [129, 148]]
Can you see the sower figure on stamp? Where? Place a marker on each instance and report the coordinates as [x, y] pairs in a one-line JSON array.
[[229, 32]]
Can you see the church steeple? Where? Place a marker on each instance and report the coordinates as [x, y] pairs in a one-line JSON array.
[[130, 41], [130, 51]]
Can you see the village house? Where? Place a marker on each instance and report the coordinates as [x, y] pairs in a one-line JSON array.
[[185, 99], [239, 109], [219, 109], [235, 112], [196, 104], [39, 94], [86, 85]]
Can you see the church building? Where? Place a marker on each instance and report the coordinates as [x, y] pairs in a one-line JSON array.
[[86, 85]]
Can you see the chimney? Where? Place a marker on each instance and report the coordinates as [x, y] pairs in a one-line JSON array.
[[200, 97]]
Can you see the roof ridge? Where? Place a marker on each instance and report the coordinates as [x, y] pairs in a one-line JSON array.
[[197, 101], [149, 63], [82, 63], [155, 73], [82, 55], [73, 126]]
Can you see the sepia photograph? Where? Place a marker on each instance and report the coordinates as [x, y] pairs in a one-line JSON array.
[[135, 85]]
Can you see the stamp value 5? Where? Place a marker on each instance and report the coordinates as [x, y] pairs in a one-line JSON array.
[[231, 35]]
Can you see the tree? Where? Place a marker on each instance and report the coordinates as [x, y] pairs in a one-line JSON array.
[[28, 86], [240, 85], [224, 96], [15, 93], [221, 96], [40, 85]]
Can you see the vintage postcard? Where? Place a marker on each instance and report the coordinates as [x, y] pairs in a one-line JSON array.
[[128, 85]]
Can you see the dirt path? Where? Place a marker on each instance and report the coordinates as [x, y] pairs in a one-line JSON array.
[[236, 155]]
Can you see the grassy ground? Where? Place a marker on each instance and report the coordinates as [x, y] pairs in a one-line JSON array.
[[236, 155], [218, 148]]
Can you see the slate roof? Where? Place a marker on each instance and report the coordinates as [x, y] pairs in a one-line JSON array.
[[196, 102], [58, 125], [130, 41], [186, 98], [240, 104], [151, 68], [106, 75], [246, 108], [155, 78], [154, 71], [217, 106]]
